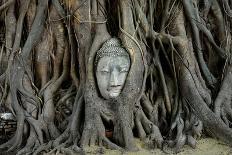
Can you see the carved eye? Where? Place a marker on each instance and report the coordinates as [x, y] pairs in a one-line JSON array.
[[104, 71], [123, 71]]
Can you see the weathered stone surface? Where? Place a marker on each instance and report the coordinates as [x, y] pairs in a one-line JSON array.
[[112, 66]]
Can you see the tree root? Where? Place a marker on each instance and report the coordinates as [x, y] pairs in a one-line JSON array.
[[94, 133], [147, 131], [70, 137], [43, 147], [6, 4], [223, 102], [32, 143], [185, 134], [71, 150]]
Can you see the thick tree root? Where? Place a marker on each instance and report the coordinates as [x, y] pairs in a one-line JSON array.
[[147, 131], [186, 134], [94, 133], [32, 143], [223, 102]]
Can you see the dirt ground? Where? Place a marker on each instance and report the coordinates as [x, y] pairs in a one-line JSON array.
[[205, 146]]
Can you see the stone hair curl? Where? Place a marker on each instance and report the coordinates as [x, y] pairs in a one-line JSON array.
[[111, 48]]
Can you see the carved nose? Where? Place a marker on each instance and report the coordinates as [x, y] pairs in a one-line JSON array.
[[114, 79]]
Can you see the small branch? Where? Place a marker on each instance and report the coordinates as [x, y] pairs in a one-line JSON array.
[[226, 7], [37, 28], [156, 60], [191, 13], [6, 4], [166, 14]]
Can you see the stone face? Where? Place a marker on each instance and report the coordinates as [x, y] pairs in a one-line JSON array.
[[112, 67], [111, 75]]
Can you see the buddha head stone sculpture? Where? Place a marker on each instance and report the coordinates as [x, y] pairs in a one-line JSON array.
[[112, 64]]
